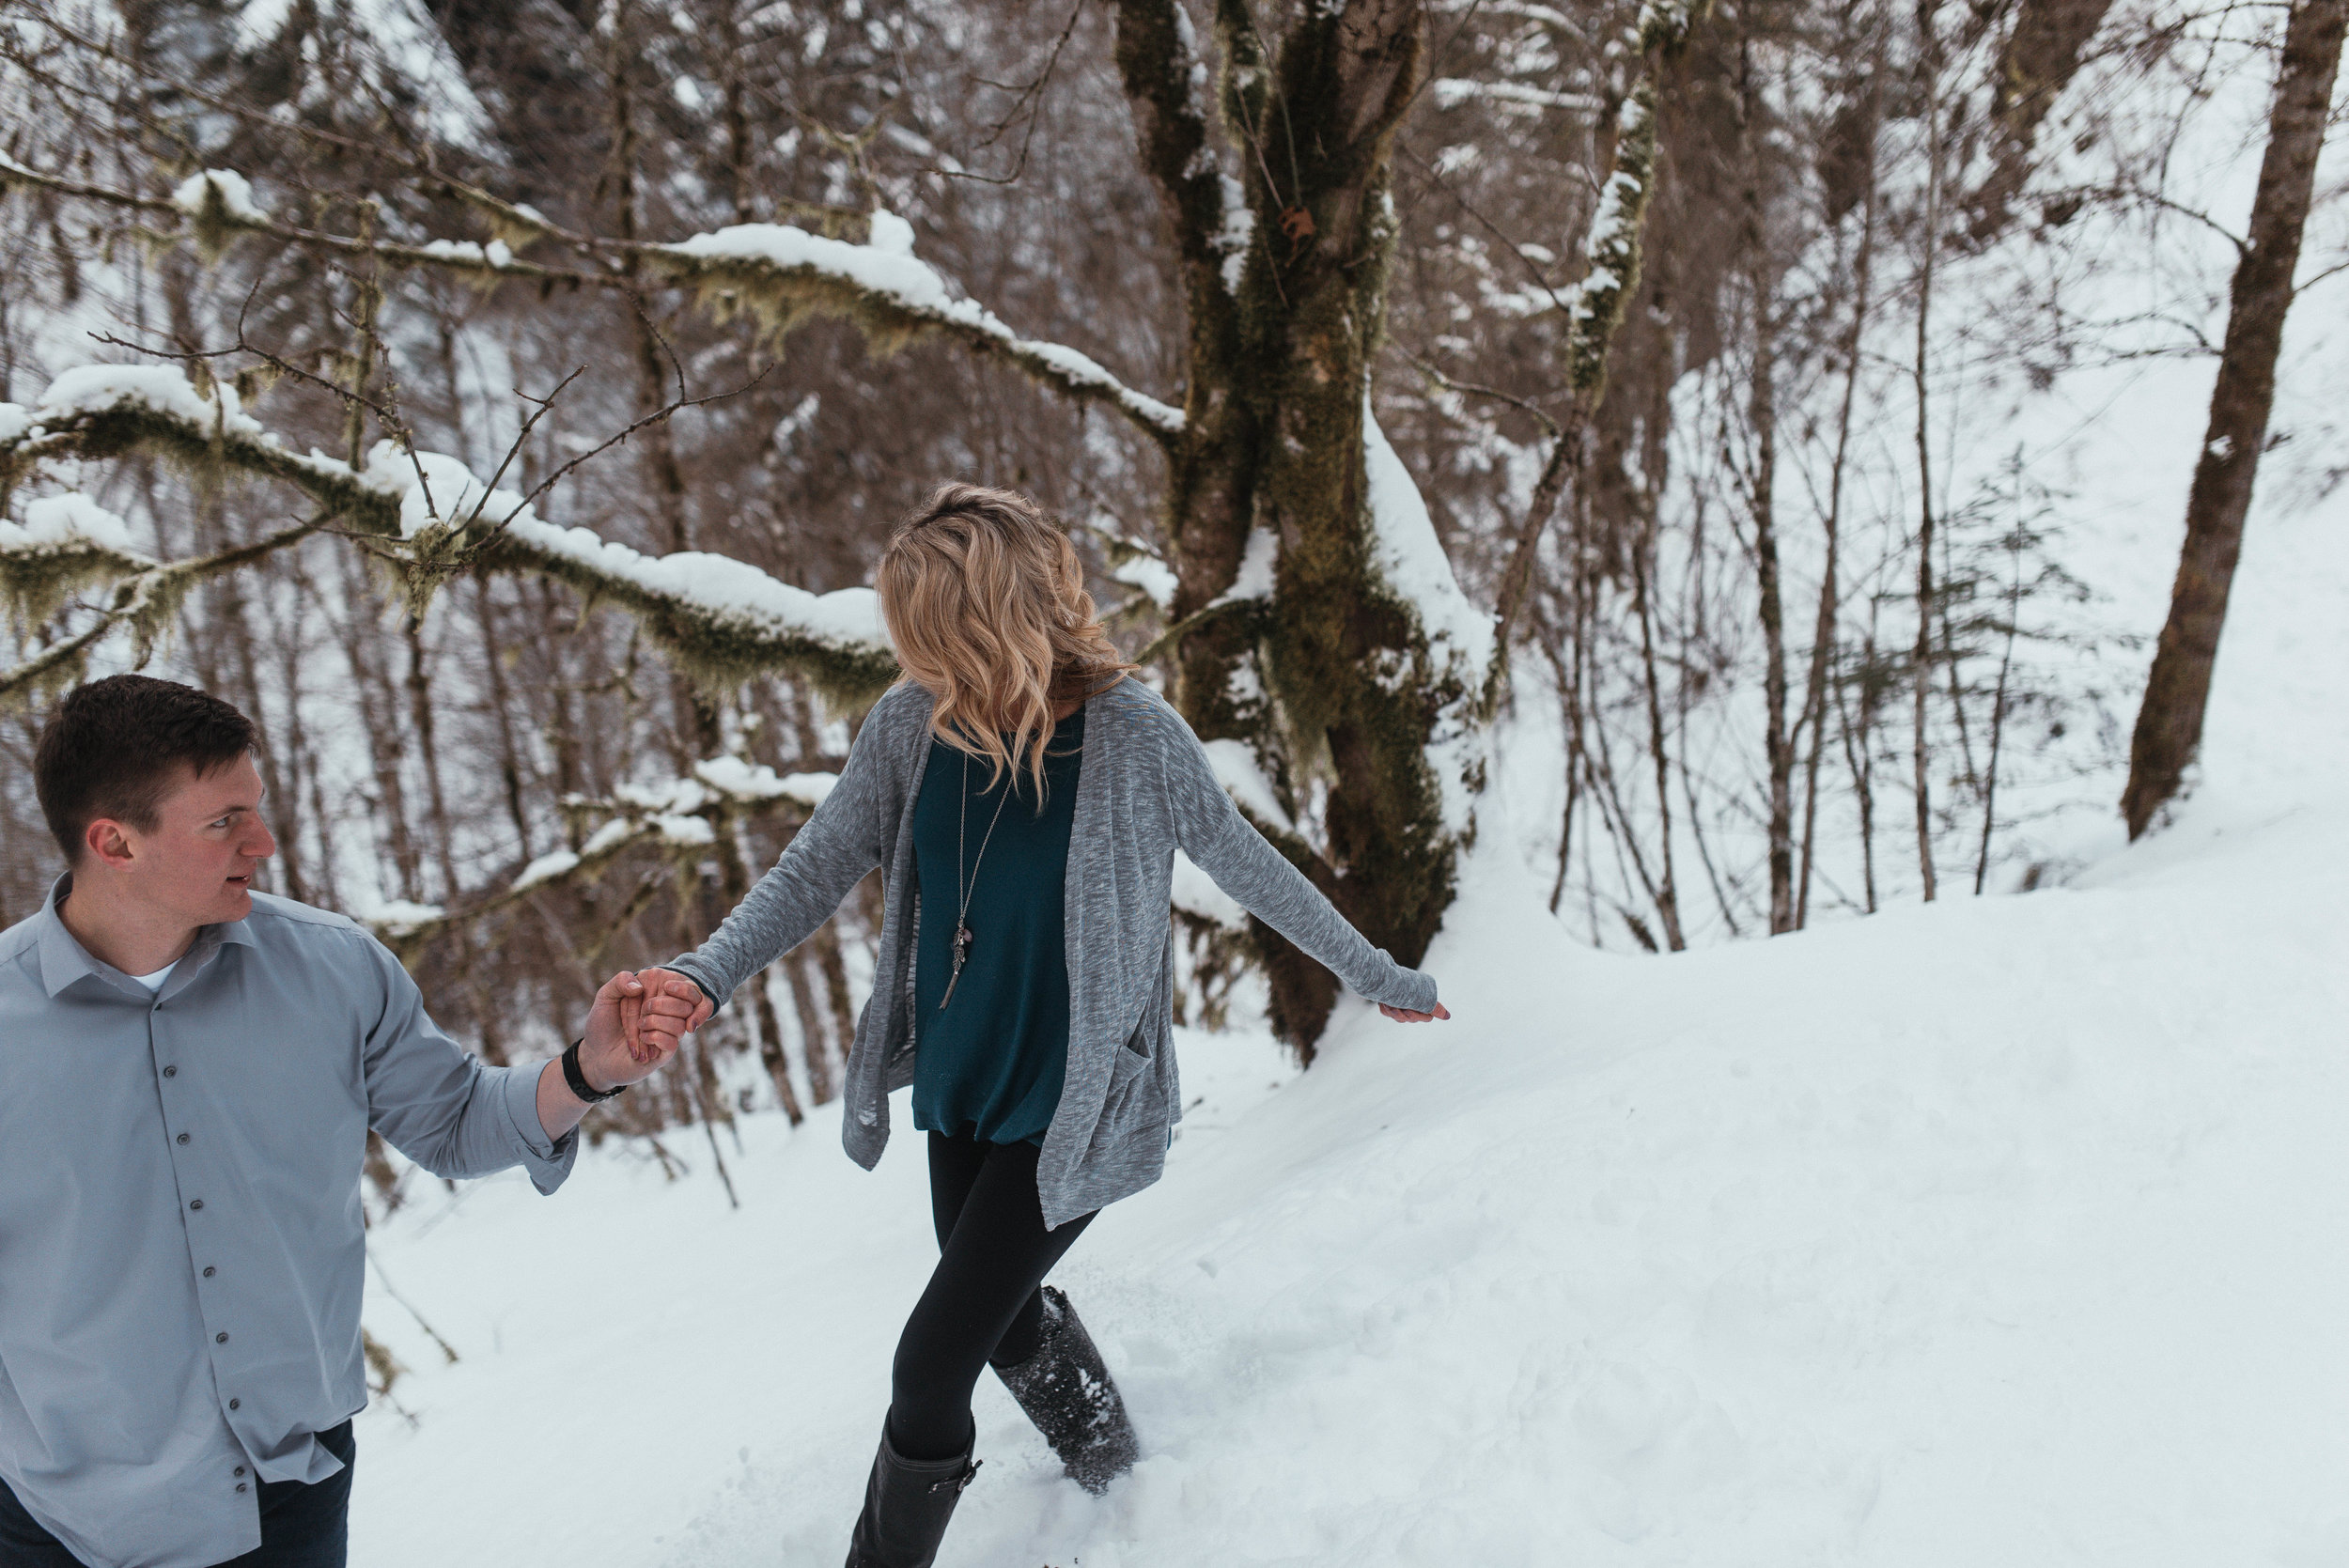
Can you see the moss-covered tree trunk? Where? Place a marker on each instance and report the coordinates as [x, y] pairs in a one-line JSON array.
[[1327, 678]]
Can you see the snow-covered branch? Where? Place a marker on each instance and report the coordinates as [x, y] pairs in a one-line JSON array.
[[781, 274], [681, 817], [721, 619], [1452, 91]]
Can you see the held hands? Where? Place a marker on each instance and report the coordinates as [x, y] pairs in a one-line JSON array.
[[1404, 1015], [669, 1008], [636, 1024]]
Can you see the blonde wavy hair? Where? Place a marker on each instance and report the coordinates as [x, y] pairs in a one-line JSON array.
[[985, 601]]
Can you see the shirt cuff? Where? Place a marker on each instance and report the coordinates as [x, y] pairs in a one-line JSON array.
[[547, 1159]]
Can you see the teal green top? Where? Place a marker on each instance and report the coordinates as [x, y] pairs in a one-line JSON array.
[[991, 1063]]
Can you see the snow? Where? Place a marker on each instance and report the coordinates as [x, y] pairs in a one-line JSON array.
[[728, 589], [1449, 92], [1999, 1231], [1236, 232], [1236, 770], [60, 522], [496, 254], [398, 917], [234, 190], [1195, 893], [740, 780], [1411, 559], [1151, 575], [891, 235], [609, 836], [88, 389], [685, 831], [435, 488], [1254, 579], [546, 868]]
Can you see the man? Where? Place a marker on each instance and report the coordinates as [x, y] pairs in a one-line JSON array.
[[187, 1073]]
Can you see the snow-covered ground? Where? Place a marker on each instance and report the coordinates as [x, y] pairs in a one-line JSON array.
[[2004, 1231]]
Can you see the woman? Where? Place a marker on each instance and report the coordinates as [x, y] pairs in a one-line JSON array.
[[1025, 797]]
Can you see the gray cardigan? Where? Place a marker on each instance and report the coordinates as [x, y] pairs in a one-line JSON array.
[[1143, 790]]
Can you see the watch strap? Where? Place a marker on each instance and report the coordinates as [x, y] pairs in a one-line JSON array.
[[578, 1080]]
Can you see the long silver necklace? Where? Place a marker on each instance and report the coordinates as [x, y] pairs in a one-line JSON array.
[[962, 926]]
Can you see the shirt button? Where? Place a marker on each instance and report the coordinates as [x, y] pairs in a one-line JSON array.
[[207, 1271], [234, 1403], [240, 1486], [220, 1338], [240, 1469], [171, 1072], [183, 1138], [197, 1203]]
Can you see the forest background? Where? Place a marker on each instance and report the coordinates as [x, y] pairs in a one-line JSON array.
[[1710, 390]]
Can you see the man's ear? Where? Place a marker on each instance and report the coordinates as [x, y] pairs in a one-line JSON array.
[[106, 843]]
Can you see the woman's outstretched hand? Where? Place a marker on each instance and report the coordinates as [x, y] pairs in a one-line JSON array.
[[1404, 1015]]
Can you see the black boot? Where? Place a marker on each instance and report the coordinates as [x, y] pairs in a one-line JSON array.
[[906, 1504], [1066, 1389]]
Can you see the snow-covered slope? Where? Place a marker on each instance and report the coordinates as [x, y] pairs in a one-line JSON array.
[[2005, 1231]]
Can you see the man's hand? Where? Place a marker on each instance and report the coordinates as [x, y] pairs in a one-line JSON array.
[[618, 1048], [1404, 1015], [672, 1007], [630, 1032]]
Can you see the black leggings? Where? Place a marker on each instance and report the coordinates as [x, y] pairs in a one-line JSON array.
[[981, 1303]]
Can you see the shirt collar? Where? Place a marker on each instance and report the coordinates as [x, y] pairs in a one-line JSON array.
[[64, 960]]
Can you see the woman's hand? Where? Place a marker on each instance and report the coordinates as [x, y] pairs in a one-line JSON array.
[[1404, 1015], [671, 1006]]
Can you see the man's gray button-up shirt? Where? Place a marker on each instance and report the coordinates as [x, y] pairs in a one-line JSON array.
[[181, 1247]]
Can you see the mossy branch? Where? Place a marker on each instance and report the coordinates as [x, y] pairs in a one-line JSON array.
[[694, 817], [781, 296], [716, 638], [146, 603], [780, 291], [1613, 248]]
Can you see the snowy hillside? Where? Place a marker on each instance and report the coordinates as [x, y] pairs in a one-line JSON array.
[[2005, 1231]]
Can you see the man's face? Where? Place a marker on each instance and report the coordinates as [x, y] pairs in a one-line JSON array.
[[197, 863]]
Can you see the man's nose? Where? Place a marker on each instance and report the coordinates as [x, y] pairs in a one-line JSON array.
[[260, 847]]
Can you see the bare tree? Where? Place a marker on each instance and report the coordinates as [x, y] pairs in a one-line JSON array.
[[2168, 730]]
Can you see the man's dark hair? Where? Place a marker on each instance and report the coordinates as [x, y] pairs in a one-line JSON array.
[[114, 747]]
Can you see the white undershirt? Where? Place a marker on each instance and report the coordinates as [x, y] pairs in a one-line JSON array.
[[155, 982]]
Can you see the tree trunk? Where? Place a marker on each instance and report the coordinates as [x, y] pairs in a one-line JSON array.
[[1923, 674], [2038, 60], [2170, 725], [1762, 484], [1280, 343]]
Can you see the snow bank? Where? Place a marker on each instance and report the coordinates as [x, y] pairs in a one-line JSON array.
[[1999, 1231]]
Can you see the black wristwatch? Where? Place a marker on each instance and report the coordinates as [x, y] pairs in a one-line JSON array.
[[578, 1081]]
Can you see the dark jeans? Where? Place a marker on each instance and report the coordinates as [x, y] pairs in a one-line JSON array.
[[301, 1527], [981, 1303]]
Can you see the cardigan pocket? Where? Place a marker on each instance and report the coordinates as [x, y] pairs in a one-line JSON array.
[[1133, 1057]]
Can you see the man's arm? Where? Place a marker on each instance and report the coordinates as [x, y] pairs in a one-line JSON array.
[[455, 1115]]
